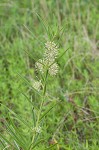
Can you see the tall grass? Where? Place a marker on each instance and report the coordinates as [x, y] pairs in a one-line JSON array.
[[68, 118]]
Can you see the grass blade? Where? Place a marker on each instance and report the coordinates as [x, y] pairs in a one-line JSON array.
[[50, 147], [37, 143], [29, 100], [6, 140], [47, 112], [26, 81], [17, 116]]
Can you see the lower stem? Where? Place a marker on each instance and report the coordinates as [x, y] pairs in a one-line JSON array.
[[41, 105]]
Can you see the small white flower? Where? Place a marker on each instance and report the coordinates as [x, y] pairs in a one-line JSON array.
[[50, 55], [50, 45], [39, 65], [53, 70], [37, 85], [38, 129], [51, 51]]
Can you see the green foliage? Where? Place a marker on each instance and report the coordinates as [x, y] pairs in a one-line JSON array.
[[67, 106]]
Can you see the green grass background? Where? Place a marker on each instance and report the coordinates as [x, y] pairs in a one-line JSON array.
[[75, 121]]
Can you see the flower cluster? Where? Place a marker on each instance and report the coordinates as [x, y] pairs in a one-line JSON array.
[[37, 85], [48, 61], [38, 129], [51, 51], [53, 70], [40, 65]]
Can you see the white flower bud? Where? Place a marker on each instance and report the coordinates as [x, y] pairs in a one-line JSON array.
[[39, 65], [38, 129], [51, 51], [53, 70], [50, 55], [37, 85]]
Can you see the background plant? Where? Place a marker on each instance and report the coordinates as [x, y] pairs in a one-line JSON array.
[[74, 122]]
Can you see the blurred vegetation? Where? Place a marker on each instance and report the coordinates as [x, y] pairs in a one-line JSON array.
[[74, 123]]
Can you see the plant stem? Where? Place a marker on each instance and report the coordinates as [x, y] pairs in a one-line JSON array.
[[41, 105]]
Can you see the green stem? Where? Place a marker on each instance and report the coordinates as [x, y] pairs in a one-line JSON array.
[[41, 105], [44, 91]]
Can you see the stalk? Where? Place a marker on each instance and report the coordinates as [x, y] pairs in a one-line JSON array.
[[41, 105]]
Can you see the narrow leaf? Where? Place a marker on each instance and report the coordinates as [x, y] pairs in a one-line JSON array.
[[29, 100], [26, 81], [6, 140], [17, 116], [37, 143], [50, 147], [47, 112]]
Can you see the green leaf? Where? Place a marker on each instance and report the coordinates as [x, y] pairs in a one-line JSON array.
[[30, 55], [42, 22], [46, 112], [37, 143], [12, 132], [59, 57], [3, 145], [17, 116], [29, 100], [62, 54], [26, 81], [50, 147], [33, 36], [6, 140], [16, 129]]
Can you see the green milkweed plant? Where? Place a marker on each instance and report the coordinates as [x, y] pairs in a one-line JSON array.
[[18, 139]]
